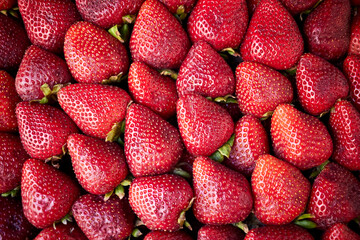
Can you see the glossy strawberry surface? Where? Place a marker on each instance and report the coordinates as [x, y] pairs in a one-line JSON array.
[[298, 6], [225, 232], [354, 47], [173, 5], [160, 235], [351, 70], [69, 231], [340, 231], [285, 232]]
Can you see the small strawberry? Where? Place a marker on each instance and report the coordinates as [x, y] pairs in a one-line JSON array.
[[7, 4], [205, 72], [161, 201], [352, 72], [259, 89], [160, 235], [158, 38], [173, 5], [224, 232], [47, 194], [273, 37], [354, 47], [340, 231], [285, 232], [299, 138], [297, 6], [61, 232], [222, 196], [319, 84]]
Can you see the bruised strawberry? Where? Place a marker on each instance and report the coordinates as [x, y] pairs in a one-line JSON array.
[[7, 4], [224, 232], [352, 72], [297, 6], [160, 235], [340, 231], [285, 232], [173, 5], [69, 231], [354, 47]]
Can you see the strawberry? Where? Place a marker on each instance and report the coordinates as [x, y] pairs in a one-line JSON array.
[[233, 109], [99, 166], [319, 84], [148, 87], [355, 2], [93, 55], [299, 138], [259, 89], [340, 231], [273, 37], [173, 5], [354, 47], [204, 125], [94, 108], [224, 232], [69, 231], [221, 24], [252, 4], [98, 219], [352, 72], [7, 4], [345, 126], [34, 72], [159, 235], [43, 129], [327, 29], [205, 72], [9, 99], [158, 38], [222, 196], [297, 6], [285, 232], [160, 201], [47, 194], [334, 196]]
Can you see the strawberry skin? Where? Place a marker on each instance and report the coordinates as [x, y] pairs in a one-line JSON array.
[[354, 47], [222, 196], [220, 23], [69, 231], [160, 235], [173, 5], [299, 138], [351, 70], [47, 194], [159, 200], [297, 6], [285, 232], [340, 231], [92, 54], [158, 38], [43, 129], [259, 89], [273, 37], [224, 232], [7, 4], [99, 166], [319, 84], [205, 72]]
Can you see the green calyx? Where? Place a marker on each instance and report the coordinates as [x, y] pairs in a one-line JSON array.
[[303, 221], [242, 226], [318, 169], [182, 219], [12, 193], [67, 218], [119, 190], [121, 33], [231, 52], [179, 171], [180, 13], [11, 12], [224, 150], [266, 115], [50, 95], [115, 79], [170, 73], [115, 132], [308, 11], [225, 99]]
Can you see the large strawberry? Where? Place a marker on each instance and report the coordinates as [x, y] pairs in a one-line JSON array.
[[160, 235], [43, 129], [161, 201], [47, 194], [205, 72], [222, 195], [351, 70], [224, 232], [220, 23], [260, 89], [158, 38], [285, 232], [69, 231], [340, 231], [93, 55], [174, 5], [299, 138], [273, 37], [354, 47], [319, 84]]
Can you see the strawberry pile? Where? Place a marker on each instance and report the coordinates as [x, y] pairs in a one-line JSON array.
[[180, 119]]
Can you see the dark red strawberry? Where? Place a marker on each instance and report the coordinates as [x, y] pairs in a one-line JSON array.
[[69, 231], [355, 2], [46, 21], [158, 38], [222, 196], [148, 87], [93, 55], [47, 194], [252, 4], [99, 219], [216, 232], [286, 232], [160, 201], [94, 108], [205, 72], [221, 24], [99, 166], [160, 235], [335, 196], [233, 109], [273, 37], [38, 67], [354, 47], [327, 29], [173, 5], [259, 89], [204, 125], [298, 6], [8, 100], [340, 231], [7, 4], [299, 138], [43, 129], [351, 70], [319, 84]]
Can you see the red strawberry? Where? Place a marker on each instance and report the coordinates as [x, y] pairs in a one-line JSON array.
[[222, 196], [252, 4], [94, 108], [92, 54], [340, 231], [158, 38], [298, 6], [204, 125], [34, 72], [327, 29], [9, 98], [205, 72], [61, 232], [43, 129], [99, 166], [273, 37], [159, 235], [352, 72], [354, 47], [173, 5], [7, 4], [285, 232], [47, 194], [98, 219], [152, 145], [260, 89], [220, 23], [159, 201], [319, 84], [233, 109], [299, 138], [224, 232], [148, 87]]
